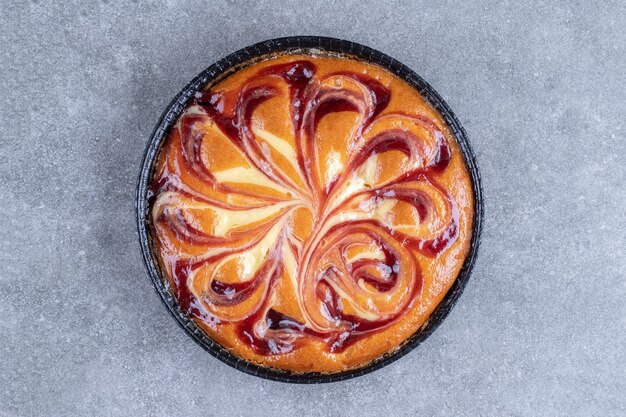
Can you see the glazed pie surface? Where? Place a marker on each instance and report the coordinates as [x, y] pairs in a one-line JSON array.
[[310, 212]]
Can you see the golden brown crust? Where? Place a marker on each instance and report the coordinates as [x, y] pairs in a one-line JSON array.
[[218, 154]]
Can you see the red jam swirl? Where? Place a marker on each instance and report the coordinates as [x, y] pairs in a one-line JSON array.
[[357, 271]]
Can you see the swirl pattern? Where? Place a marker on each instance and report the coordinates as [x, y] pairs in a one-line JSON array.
[[242, 209]]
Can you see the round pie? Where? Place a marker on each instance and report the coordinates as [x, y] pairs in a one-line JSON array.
[[310, 211]]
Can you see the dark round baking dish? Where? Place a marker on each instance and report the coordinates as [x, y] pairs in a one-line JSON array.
[[219, 71]]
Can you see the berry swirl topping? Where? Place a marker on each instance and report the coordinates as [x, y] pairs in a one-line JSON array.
[[294, 207]]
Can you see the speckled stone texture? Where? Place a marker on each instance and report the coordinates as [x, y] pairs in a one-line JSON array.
[[540, 88]]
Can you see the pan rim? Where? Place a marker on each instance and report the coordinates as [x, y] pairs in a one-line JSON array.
[[227, 66]]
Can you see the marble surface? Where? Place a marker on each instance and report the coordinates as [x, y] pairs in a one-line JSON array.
[[540, 88]]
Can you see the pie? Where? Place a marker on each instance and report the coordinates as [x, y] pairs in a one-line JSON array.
[[310, 211]]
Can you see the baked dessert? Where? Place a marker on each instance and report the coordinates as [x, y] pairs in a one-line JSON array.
[[310, 211]]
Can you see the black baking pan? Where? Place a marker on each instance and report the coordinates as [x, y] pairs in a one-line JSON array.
[[212, 76]]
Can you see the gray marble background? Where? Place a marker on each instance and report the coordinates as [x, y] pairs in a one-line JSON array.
[[540, 88]]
